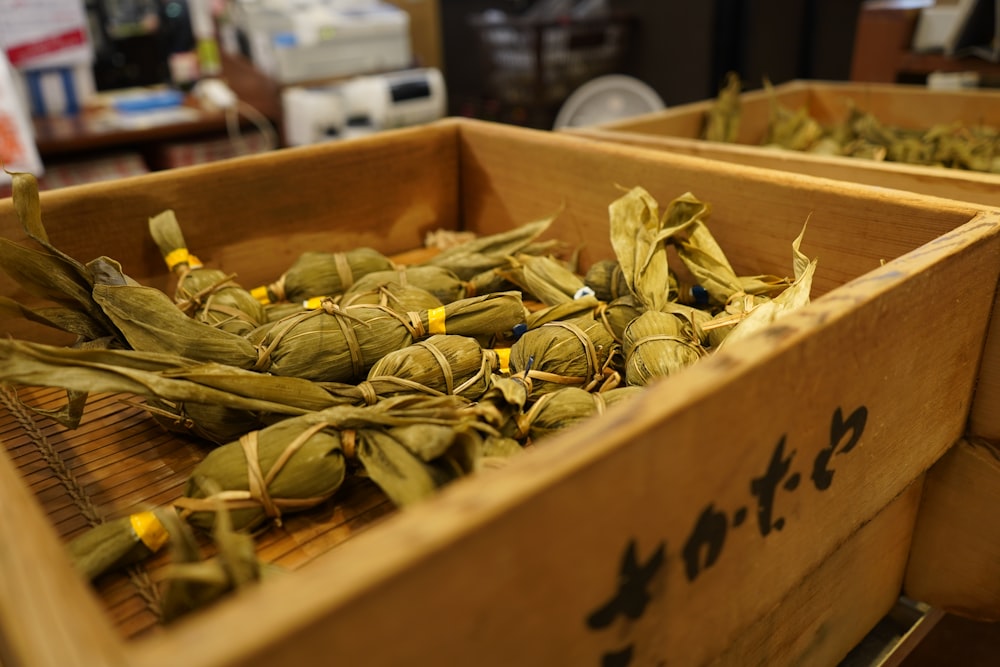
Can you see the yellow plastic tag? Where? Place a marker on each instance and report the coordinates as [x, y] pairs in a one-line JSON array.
[[194, 262], [149, 530], [435, 321], [314, 303], [179, 256], [504, 354], [260, 293]]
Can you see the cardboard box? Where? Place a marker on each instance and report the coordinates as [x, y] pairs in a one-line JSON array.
[[678, 129], [757, 507]]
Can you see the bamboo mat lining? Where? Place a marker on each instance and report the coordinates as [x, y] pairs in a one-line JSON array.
[[120, 460]]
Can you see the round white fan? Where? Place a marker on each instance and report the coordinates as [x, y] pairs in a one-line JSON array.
[[605, 99]]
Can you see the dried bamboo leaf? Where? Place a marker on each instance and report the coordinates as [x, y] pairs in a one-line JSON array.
[[635, 222], [545, 278], [488, 252], [150, 322], [64, 319], [793, 298]]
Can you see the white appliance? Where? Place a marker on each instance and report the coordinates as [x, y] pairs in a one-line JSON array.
[[363, 105], [297, 41]]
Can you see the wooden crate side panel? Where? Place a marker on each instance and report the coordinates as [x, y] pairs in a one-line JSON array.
[[256, 215], [797, 631], [664, 529], [908, 106], [48, 615], [984, 417], [955, 562], [755, 213], [960, 185], [828, 102]]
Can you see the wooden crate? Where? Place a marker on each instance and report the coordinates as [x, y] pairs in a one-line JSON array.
[[678, 129], [757, 507]]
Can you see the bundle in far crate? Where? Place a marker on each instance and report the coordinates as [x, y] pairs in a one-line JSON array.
[[757, 506], [680, 129]]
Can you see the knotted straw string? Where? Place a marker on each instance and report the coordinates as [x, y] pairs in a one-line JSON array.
[[442, 362], [344, 271], [350, 336], [349, 443], [192, 301], [664, 337], [257, 493], [280, 330]]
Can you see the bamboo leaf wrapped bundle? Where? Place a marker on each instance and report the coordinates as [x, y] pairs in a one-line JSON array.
[[442, 364], [117, 543], [501, 406], [488, 252], [722, 121], [318, 274], [658, 344], [606, 278], [439, 281], [289, 466], [192, 582], [410, 463], [336, 344], [566, 407], [300, 462], [566, 310], [578, 352], [616, 315], [737, 310], [545, 278], [402, 298], [205, 294], [211, 422]]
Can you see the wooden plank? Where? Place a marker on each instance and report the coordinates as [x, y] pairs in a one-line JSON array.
[[793, 633], [984, 418], [955, 562], [48, 615]]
